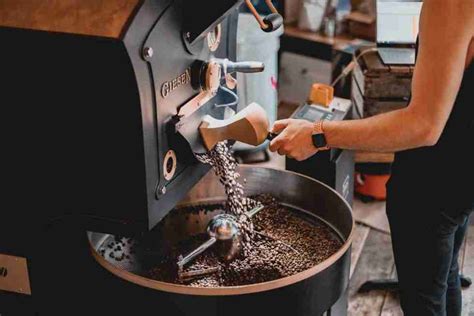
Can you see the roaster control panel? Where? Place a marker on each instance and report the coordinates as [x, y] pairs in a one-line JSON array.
[[337, 111]]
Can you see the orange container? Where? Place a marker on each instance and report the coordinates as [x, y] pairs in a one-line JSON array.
[[371, 185], [321, 94]]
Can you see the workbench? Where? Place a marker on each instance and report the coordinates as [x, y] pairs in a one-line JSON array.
[[307, 57]]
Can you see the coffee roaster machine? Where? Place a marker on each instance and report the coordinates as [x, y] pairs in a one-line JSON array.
[[101, 105]]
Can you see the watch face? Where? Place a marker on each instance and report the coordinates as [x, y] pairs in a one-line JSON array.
[[319, 141]]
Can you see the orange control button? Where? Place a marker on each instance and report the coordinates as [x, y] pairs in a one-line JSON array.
[[321, 94]]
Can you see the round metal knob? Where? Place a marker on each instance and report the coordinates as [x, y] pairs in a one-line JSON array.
[[206, 76]]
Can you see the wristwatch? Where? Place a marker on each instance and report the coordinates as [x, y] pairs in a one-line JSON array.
[[319, 140]]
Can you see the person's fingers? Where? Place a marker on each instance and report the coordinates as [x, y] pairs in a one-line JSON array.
[[286, 149], [277, 142], [280, 125], [282, 152]]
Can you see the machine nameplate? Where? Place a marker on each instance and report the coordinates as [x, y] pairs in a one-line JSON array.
[[14, 275], [169, 86]]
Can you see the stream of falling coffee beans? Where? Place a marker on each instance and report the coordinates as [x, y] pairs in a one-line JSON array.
[[225, 166]]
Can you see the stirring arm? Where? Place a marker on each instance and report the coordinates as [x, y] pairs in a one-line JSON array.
[[196, 252]]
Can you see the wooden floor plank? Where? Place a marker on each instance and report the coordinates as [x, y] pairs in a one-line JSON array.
[[375, 262], [371, 214], [468, 270], [360, 236], [391, 305]]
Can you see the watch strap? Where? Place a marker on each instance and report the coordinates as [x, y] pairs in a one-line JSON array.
[[318, 129]]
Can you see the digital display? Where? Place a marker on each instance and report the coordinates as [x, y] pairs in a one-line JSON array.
[[313, 114]]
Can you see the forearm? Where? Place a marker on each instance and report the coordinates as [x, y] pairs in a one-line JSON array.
[[389, 132], [443, 55]]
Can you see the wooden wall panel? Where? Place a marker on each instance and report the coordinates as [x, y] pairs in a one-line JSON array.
[[105, 18]]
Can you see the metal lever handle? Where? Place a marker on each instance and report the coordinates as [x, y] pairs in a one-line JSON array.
[[245, 66], [229, 67]]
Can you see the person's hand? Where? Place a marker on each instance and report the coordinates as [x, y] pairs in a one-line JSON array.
[[294, 139]]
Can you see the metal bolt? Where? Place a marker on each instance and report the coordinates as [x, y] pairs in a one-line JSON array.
[[159, 192], [147, 52], [163, 190]]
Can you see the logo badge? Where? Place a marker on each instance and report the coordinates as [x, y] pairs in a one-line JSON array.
[[169, 86]]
